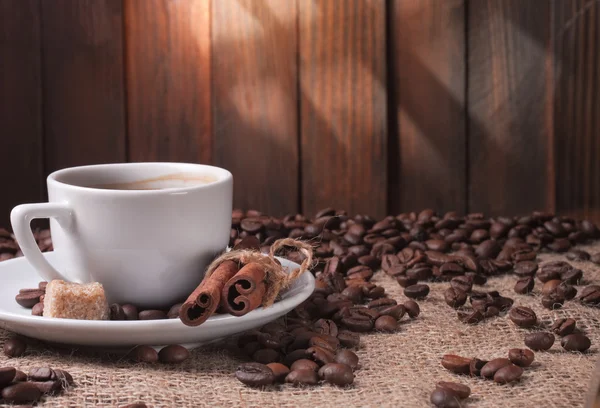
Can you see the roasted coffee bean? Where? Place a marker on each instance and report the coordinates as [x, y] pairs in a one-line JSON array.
[[152, 315], [325, 341], [326, 326], [144, 354], [491, 311], [14, 347], [524, 285], [566, 290], [173, 354], [348, 339], [508, 374], [455, 297], [563, 326], [131, 312], [389, 261], [462, 283], [302, 377], [379, 304], [523, 316], [476, 278], [461, 390], [116, 312], [353, 293], [265, 356], [456, 364], [304, 364], [295, 355], [539, 341], [40, 374], [419, 273], [473, 317], [63, 376], [578, 255], [590, 295], [255, 374], [572, 276], [405, 281], [493, 366], [553, 301], [550, 286], [412, 308], [38, 309], [173, 312], [21, 376], [7, 374], [320, 355], [406, 255], [488, 249], [21, 393], [386, 324], [396, 311], [337, 373], [576, 342], [347, 357], [418, 291], [48, 387], [450, 270], [28, 298], [444, 398], [375, 292], [370, 261], [526, 268], [521, 357], [475, 367]]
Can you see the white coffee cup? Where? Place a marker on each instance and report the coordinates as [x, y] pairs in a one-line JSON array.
[[145, 231]]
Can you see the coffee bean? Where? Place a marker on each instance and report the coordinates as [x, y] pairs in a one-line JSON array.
[[20, 376], [152, 315], [144, 354], [405, 281], [406, 255], [590, 295], [326, 326], [444, 398], [572, 276], [116, 312], [304, 364], [493, 366], [553, 301], [566, 290], [386, 324], [38, 309], [508, 374], [337, 374], [526, 268], [347, 357], [348, 339], [173, 354], [418, 291], [563, 326], [488, 249], [578, 255], [475, 367], [456, 364], [21, 393], [550, 286], [375, 292], [331, 344], [576, 342], [40, 374], [173, 312], [523, 316], [279, 371], [7, 374], [320, 355], [461, 390], [302, 377], [14, 347], [455, 297], [131, 312], [419, 273], [63, 376], [396, 311], [255, 374], [28, 298], [524, 285], [463, 283], [521, 357], [473, 317], [370, 261], [380, 304], [412, 308], [48, 387], [539, 341], [294, 356]]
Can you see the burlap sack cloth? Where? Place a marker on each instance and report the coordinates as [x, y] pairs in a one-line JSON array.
[[399, 370]]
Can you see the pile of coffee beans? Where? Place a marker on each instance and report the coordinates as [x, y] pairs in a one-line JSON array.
[[20, 388]]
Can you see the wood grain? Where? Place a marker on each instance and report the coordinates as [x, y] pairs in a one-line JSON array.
[[343, 106], [254, 45], [83, 98], [20, 105], [428, 146], [168, 80], [577, 107], [510, 106]]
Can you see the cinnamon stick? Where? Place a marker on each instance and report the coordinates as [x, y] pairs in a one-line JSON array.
[[205, 299], [245, 291]]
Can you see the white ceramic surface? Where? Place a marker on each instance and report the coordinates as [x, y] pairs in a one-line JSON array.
[[17, 274], [147, 246]]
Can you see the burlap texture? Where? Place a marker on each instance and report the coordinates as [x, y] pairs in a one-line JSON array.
[[398, 370]]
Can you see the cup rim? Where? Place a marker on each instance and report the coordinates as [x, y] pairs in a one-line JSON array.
[[224, 176]]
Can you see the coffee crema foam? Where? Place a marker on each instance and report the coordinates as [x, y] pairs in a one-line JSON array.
[[178, 180]]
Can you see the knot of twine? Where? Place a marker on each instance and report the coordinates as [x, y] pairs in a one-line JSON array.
[[275, 278]]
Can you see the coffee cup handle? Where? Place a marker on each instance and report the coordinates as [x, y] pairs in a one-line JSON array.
[[20, 218]]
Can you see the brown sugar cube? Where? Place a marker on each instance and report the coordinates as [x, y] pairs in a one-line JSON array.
[[75, 301]]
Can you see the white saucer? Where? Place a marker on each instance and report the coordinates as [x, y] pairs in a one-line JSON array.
[[17, 274]]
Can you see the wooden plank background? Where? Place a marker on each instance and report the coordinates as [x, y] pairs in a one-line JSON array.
[[371, 106]]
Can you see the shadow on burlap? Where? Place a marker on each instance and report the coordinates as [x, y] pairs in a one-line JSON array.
[[398, 370]]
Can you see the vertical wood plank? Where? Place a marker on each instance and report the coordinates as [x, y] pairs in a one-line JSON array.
[[168, 80], [20, 104], [343, 106], [254, 45], [577, 107], [510, 106], [428, 147], [83, 99]]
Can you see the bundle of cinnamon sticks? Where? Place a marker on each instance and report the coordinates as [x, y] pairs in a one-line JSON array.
[[240, 281]]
